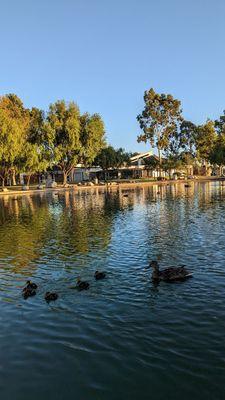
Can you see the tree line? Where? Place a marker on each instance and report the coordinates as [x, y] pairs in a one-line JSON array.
[[32, 141], [178, 140]]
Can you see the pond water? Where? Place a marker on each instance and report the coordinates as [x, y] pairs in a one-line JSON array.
[[124, 338]]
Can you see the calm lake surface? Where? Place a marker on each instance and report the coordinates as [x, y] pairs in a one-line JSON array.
[[124, 338]]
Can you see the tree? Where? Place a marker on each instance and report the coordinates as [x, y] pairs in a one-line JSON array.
[[35, 156], [33, 159], [217, 153], [72, 138], [14, 122], [92, 137], [205, 140], [159, 120], [220, 124], [186, 137], [62, 136], [110, 158]]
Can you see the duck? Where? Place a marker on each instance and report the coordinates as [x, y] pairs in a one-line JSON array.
[[51, 296], [171, 274], [31, 285], [82, 285], [187, 185], [28, 292], [99, 275]]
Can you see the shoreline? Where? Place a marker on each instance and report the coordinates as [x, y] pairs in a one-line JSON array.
[[75, 188]]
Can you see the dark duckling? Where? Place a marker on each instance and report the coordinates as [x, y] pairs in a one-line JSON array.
[[171, 274], [28, 293], [31, 285], [187, 185], [99, 275], [51, 296], [82, 285]]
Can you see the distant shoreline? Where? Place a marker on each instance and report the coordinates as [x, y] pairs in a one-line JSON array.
[[109, 185]]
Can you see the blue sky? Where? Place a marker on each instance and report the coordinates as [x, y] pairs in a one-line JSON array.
[[103, 55]]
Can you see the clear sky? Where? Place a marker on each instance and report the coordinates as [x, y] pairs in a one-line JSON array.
[[103, 54]]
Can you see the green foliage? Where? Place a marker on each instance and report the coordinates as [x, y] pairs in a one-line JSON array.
[[187, 136], [14, 122], [205, 140], [159, 119], [152, 162], [112, 158], [31, 142], [92, 137], [62, 135], [217, 153], [220, 124]]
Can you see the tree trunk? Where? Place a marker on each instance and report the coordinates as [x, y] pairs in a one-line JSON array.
[[160, 161], [28, 179], [65, 174], [13, 177], [3, 182]]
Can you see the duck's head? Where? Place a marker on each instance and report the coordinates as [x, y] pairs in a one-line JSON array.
[[154, 265], [78, 280], [96, 272], [28, 282]]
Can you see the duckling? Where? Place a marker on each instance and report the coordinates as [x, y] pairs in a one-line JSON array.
[[31, 285], [99, 275], [51, 296], [28, 293], [125, 195], [82, 285], [171, 274], [187, 185]]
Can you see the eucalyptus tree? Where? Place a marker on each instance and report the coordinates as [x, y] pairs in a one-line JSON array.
[[159, 120], [217, 153], [14, 123], [35, 156], [220, 124], [62, 136], [187, 137], [72, 138], [205, 140], [92, 137], [110, 158]]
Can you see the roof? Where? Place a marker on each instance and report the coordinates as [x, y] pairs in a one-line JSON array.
[[141, 155]]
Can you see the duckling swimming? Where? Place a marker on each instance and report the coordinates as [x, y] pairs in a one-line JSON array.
[[28, 293], [51, 296], [31, 285], [171, 274], [99, 275], [82, 285]]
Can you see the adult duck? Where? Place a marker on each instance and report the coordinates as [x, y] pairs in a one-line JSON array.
[[51, 296], [172, 274], [82, 285], [99, 275]]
